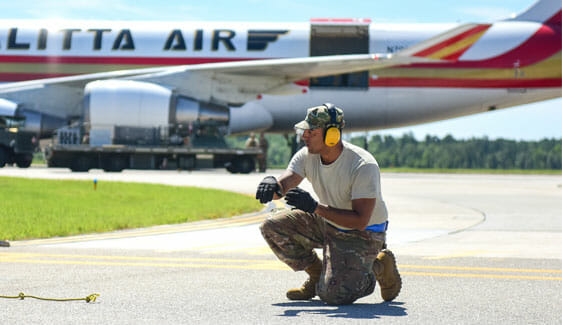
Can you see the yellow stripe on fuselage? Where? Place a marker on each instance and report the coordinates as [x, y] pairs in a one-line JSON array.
[[453, 48], [549, 68]]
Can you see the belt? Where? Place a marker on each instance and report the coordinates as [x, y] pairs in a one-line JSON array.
[[381, 227]]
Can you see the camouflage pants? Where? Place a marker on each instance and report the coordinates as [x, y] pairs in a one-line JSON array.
[[347, 270]]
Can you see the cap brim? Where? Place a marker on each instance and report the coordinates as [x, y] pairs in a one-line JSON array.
[[304, 125]]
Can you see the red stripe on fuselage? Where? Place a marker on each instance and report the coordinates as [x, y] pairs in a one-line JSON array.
[[113, 60], [13, 77], [452, 40], [556, 19], [542, 45]]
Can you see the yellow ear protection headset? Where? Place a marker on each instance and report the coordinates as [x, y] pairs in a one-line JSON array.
[[332, 133]]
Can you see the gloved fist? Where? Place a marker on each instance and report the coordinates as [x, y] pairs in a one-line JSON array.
[[267, 188], [301, 200]]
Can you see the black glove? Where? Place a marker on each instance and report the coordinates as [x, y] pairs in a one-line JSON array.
[[301, 200], [267, 188]]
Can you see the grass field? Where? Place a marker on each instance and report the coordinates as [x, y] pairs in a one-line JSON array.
[[34, 208]]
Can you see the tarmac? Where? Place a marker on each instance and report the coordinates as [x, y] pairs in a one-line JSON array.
[[471, 249]]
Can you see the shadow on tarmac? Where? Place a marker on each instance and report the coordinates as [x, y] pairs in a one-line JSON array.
[[356, 311]]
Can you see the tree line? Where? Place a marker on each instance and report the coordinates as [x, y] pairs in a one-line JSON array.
[[474, 153], [434, 152]]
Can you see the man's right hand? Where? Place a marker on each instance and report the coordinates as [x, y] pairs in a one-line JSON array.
[[267, 188]]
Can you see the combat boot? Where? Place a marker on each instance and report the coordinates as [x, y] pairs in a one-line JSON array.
[[308, 289], [387, 275]]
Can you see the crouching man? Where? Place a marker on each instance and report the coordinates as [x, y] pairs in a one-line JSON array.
[[349, 222]]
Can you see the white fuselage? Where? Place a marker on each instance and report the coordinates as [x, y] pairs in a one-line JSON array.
[[387, 98]]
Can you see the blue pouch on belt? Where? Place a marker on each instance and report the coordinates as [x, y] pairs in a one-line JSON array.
[[381, 227]]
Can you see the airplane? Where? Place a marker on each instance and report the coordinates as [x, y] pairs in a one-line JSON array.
[[262, 76]]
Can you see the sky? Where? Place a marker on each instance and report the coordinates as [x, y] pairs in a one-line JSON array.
[[526, 122]]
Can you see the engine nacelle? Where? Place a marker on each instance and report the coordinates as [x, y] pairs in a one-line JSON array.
[[8, 107], [142, 104], [41, 124], [126, 103], [130, 103]]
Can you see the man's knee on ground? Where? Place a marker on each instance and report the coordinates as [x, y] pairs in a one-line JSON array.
[[338, 290], [336, 299], [335, 295]]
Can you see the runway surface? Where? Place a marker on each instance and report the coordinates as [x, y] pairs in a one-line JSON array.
[[471, 249]]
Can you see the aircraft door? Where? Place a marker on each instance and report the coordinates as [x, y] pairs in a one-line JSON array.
[[340, 38]]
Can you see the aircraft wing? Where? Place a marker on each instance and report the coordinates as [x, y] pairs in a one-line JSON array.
[[227, 83], [60, 96], [239, 82]]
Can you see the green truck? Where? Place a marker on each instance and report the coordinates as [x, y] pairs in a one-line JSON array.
[[16, 145]]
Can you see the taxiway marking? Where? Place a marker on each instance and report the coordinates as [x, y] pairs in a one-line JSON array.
[[254, 264]]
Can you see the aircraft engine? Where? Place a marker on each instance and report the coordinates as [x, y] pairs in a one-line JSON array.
[[7, 107], [41, 124], [110, 103]]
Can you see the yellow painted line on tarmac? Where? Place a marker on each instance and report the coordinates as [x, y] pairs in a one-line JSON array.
[[214, 248], [470, 268], [489, 276], [109, 260], [256, 266], [463, 254], [263, 250], [253, 264], [162, 230], [126, 258], [174, 259]]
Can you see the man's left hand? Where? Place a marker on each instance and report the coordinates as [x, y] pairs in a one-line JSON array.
[[301, 200]]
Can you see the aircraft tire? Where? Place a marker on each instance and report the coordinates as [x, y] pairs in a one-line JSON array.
[[115, 163], [245, 164], [23, 160], [81, 164], [231, 168], [4, 155]]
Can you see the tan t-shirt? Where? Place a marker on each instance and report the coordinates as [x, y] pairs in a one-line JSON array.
[[354, 175]]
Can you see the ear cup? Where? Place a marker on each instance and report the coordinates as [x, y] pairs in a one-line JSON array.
[[332, 136]]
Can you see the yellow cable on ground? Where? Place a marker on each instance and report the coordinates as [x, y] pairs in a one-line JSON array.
[[21, 296]]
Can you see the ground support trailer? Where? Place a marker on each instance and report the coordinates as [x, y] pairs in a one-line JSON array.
[[118, 157]]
